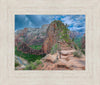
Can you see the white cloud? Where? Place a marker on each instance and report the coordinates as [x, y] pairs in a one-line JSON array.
[[67, 20]]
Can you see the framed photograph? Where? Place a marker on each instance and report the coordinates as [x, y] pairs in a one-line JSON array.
[[49, 42]]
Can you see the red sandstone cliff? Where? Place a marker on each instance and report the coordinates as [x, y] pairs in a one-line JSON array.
[[51, 38], [83, 42]]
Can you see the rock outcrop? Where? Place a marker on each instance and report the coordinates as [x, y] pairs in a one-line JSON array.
[[83, 42], [50, 39], [54, 31], [31, 35], [26, 49]]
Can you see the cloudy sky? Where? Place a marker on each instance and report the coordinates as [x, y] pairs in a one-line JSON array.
[[75, 22]]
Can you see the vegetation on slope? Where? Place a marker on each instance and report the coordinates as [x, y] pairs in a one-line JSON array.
[[33, 65], [63, 31], [28, 57], [16, 64], [36, 47], [54, 48], [78, 42], [30, 66], [77, 54]]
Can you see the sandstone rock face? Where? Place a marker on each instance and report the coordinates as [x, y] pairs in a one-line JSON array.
[[51, 38], [31, 35], [19, 35], [83, 42], [67, 62], [56, 33]]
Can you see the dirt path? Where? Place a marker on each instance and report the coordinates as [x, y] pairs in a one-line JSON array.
[[66, 62]]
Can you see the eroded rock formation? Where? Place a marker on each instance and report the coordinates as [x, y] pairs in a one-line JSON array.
[[51, 38], [83, 42], [26, 49]]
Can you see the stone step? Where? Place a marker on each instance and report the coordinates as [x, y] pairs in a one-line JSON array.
[[68, 52], [51, 58], [61, 64]]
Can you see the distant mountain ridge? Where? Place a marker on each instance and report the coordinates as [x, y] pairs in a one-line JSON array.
[[31, 35], [75, 34]]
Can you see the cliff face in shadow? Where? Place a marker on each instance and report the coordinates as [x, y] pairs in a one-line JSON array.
[[26, 49]]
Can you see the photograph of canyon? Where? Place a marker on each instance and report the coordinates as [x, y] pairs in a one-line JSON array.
[[50, 42]]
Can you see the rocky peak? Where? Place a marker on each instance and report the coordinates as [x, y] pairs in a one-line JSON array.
[[56, 31]]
